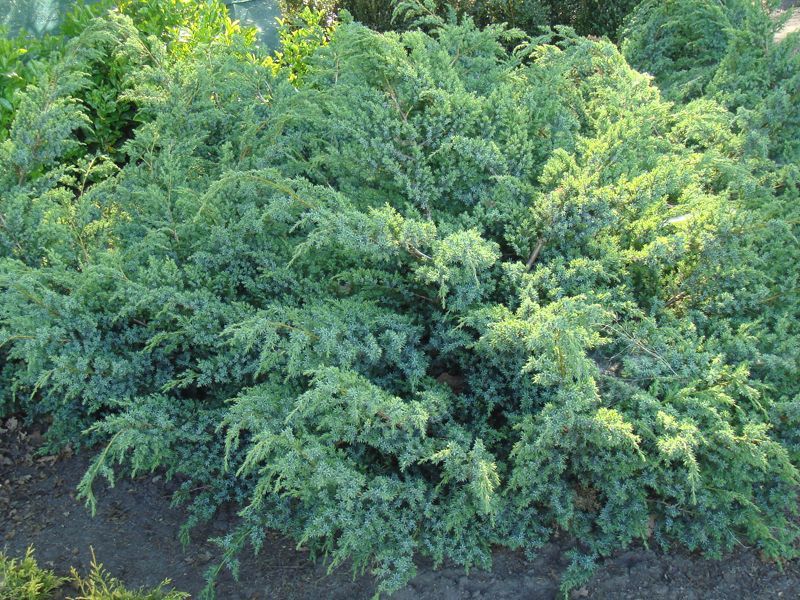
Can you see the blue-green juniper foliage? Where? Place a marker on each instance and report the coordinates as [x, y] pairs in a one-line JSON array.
[[447, 289]]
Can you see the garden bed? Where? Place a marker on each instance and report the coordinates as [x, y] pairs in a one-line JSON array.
[[134, 536]]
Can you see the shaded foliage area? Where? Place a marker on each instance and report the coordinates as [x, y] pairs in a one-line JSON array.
[[595, 17], [416, 293]]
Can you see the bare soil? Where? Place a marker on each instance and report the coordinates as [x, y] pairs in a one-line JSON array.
[[134, 535]]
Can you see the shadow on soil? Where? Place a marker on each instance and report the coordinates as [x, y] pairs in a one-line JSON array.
[[134, 534]]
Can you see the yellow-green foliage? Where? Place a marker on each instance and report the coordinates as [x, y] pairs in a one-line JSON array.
[[300, 34], [22, 579], [98, 584], [181, 25]]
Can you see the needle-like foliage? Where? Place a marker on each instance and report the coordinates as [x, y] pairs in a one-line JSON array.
[[432, 296]]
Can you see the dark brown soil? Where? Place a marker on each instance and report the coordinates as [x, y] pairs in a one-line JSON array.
[[134, 535]]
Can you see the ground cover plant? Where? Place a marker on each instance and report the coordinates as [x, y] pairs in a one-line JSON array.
[[24, 579], [419, 293]]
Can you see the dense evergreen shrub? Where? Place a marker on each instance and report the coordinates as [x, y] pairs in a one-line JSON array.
[[757, 80], [431, 296], [679, 42], [595, 17], [530, 15], [300, 34], [724, 50], [592, 17]]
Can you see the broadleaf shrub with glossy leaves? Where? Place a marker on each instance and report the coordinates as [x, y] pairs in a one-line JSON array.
[[181, 24], [430, 296]]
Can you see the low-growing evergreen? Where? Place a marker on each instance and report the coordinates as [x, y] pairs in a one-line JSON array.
[[419, 293], [24, 579]]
